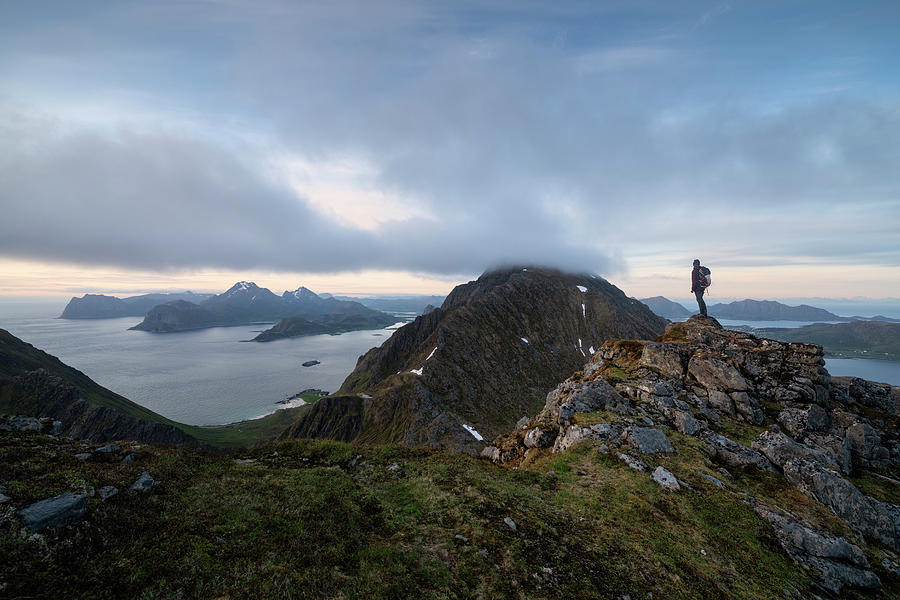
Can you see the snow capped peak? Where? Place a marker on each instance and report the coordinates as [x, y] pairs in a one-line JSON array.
[[241, 286], [302, 292], [581, 288]]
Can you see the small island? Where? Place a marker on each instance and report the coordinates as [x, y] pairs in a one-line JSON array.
[[311, 363]]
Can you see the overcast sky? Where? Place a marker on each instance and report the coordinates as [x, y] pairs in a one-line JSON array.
[[169, 140]]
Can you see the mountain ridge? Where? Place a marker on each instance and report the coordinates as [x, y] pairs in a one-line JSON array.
[[245, 303], [101, 306], [482, 359]]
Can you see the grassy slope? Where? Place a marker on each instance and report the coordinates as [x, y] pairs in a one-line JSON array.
[[311, 523], [17, 357]]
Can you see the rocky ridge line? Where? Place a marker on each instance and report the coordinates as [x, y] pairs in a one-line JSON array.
[[697, 378]]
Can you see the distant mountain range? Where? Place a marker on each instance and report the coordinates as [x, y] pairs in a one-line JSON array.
[[667, 308], [486, 357], [100, 306], [857, 338], [245, 303], [756, 310], [395, 304]]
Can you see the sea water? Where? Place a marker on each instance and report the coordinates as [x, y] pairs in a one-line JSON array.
[[203, 377]]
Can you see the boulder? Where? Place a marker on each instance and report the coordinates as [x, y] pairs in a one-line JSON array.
[[539, 438], [143, 484], [865, 446], [632, 462], [576, 433], [685, 422], [798, 421], [665, 478], [107, 492], [21, 423], [714, 372], [107, 449], [649, 440], [732, 454], [666, 359], [55, 511], [492, 453]]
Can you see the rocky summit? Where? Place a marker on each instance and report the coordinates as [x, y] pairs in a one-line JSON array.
[[471, 368], [805, 450]]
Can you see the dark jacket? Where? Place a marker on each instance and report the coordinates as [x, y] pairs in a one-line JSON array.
[[695, 280]]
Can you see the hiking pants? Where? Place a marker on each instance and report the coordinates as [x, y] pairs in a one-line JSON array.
[[700, 302]]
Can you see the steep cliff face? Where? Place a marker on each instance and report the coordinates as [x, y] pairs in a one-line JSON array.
[[481, 361], [40, 394], [754, 407], [37, 384]]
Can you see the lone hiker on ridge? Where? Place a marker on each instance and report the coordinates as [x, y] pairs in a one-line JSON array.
[[699, 283]]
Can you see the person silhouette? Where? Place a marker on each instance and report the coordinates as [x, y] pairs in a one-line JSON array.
[[698, 286]]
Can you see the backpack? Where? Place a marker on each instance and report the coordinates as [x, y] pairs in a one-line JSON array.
[[705, 277]]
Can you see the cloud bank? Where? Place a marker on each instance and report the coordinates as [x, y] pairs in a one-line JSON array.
[[569, 136]]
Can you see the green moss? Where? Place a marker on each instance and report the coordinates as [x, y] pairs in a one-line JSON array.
[[312, 519], [880, 488]]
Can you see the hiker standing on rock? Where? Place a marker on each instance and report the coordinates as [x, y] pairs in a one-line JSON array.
[[700, 280]]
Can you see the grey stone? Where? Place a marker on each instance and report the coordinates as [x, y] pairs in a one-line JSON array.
[[748, 408], [130, 457], [839, 563], [57, 428], [721, 401], [461, 538], [666, 359], [523, 422], [4, 498], [649, 440], [393, 467], [539, 438], [21, 423], [510, 523], [492, 453], [55, 511], [711, 479], [809, 471], [107, 492], [732, 454], [576, 433], [143, 484], [713, 372], [83, 456], [632, 462], [107, 449], [665, 478], [685, 422]]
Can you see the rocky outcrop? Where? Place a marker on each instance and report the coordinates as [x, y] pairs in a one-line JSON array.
[[835, 562], [698, 377], [483, 359]]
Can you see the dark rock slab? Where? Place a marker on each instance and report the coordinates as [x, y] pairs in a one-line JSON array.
[[55, 511]]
